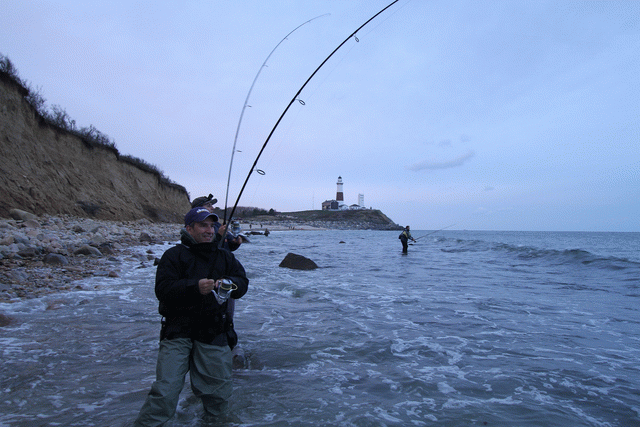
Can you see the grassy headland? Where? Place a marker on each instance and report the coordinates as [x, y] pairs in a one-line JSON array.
[[365, 219]]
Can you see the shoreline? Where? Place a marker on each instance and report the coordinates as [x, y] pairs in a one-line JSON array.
[[48, 254], [248, 228], [42, 255]]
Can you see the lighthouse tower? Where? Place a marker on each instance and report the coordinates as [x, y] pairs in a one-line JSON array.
[[339, 195]]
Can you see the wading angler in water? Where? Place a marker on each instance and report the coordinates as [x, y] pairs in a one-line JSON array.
[[404, 237], [196, 335]]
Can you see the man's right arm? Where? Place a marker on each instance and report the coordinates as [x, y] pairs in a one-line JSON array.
[[172, 286]]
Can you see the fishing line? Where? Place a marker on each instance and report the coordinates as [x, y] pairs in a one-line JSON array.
[[294, 99], [398, 9], [244, 107], [287, 131], [429, 234], [311, 95]]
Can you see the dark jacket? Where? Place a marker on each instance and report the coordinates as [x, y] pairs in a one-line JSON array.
[[187, 313]]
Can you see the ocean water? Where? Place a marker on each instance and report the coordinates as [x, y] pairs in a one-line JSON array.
[[467, 329]]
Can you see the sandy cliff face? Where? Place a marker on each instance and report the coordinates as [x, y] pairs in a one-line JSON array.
[[46, 170]]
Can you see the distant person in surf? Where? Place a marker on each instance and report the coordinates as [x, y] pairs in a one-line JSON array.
[[232, 242], [196, 335], [404, 237]]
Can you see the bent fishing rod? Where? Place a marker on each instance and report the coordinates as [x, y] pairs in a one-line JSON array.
[[246, 104], [295, 97]]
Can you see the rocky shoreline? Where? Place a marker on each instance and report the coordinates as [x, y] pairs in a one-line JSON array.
[[47, 254], [40, 255]]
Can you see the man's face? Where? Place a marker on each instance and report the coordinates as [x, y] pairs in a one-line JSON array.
[[208, 206], [202, 232]]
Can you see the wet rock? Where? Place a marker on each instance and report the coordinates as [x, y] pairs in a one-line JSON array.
[[87, 250], [55, 248], [32, 223], [145, 237], [5, 320], [106, 249], [17, 276], [48, 238], [6, 251], [54, 305], [78, 229], [28, 252], [21, 239], [98, 229], [239, 361], [298, 262], [113, 274], [55, 259], [101, 273], [7, 240], [34, 234], [97, 240]]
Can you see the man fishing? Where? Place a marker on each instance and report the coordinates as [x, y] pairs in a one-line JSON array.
[[404, 237], [194, 334], [231, 242]]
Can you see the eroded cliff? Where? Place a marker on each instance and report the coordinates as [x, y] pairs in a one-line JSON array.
[[44, 169]]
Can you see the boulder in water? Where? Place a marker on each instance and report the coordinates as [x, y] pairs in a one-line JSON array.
[[298, 262], [237, 355], [5, 320]]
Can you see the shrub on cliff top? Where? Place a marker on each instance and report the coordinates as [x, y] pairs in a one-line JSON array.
[[58, 118], [7, 68]]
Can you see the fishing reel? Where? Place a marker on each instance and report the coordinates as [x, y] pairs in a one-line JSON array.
[[225, 288]]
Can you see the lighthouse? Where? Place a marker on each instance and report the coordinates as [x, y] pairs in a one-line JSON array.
[[339, 194]]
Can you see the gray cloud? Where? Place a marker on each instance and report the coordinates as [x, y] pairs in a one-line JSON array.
[[453, 163]]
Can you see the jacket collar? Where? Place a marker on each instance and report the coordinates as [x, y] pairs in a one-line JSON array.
[[187, 240]]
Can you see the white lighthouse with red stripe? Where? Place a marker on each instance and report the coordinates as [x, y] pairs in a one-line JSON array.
[[339, 194]]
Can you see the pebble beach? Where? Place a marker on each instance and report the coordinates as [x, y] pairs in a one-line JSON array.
[[43, 254]]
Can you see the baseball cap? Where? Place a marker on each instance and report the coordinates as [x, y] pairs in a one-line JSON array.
[[198, 215], [200, 201]]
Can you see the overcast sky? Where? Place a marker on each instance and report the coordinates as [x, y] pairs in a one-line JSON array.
[[516, 115]]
